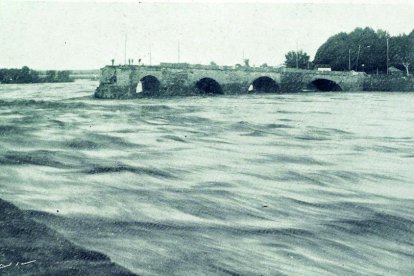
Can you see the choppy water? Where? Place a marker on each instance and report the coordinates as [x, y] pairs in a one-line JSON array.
[[318, 183]]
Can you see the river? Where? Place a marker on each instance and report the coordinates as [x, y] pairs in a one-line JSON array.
[[310, 183]]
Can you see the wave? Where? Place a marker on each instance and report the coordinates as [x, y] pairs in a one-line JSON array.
[[43, 104], [82, 144], [255, 133], [37, 157], [174, 138], [98, 169], [223, 271], [311, 137], [7, 130], [91, 140], [382, 225], [277, 126], [284, 158]]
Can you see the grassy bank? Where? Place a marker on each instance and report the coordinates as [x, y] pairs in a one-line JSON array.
[[30, 247]]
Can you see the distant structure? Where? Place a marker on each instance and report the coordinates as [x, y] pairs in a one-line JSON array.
[[323, 67], [170, 79]]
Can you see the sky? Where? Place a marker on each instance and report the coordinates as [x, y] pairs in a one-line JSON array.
[[88, 34]]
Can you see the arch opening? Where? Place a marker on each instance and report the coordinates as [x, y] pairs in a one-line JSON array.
[[324, 85], [209, 86], [264, 85], [148, 85]]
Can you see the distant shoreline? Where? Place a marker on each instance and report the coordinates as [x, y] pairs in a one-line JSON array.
[[27, 75]]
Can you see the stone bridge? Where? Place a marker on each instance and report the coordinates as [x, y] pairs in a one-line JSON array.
[[130, 81]]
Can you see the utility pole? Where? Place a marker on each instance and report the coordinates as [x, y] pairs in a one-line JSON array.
[[388, 47], [178, 50], [349, 59], [125, 48], [297, 61], [150, 55], [357, 61]]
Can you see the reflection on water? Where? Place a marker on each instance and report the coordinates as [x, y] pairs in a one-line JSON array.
[[256, 184]]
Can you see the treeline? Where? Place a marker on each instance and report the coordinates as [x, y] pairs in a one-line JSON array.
[[27, 75], [363, 49]]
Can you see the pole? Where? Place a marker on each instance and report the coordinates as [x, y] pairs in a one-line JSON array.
[[178, 51], [387, 56], [125, 48], [150, 56], [349, 59], [297, 62], [357, 61]]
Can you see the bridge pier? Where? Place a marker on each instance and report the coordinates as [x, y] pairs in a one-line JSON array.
[[113, 91]]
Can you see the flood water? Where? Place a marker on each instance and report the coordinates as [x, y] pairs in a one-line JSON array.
[[312, 183]]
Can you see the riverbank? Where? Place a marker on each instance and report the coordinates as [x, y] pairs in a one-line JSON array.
[[29, 247]]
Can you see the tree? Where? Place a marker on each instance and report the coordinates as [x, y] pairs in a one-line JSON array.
[[34, 76], [401, 51], [246, 62], [50, 76], [333, 52], [297, 59], [344, 51], [23, 75], [63, 76], [26, 75]]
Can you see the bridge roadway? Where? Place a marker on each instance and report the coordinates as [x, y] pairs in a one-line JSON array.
[[130, 81]]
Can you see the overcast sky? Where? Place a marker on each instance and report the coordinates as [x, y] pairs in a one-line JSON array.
[[79, 35]]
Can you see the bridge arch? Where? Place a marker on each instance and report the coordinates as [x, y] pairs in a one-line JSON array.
[[208, 86], [322, 84], [263, 84], [148, 85]]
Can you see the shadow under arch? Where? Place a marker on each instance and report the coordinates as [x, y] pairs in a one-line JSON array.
[[263, 85], [208, 86], [148, 85], [324, 85]]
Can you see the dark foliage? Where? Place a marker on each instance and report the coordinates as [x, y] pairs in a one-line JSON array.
[[24, 75], [297, 59], [27, 75], [365, 49]]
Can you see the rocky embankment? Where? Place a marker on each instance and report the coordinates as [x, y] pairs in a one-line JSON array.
[[31, 248]]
